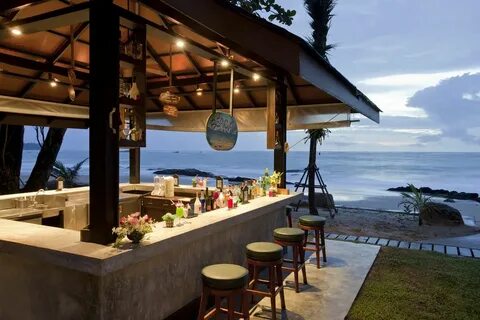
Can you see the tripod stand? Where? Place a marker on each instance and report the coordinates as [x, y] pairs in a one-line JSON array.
[[303, 183]]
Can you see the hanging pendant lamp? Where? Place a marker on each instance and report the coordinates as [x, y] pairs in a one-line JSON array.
[[167, 98]]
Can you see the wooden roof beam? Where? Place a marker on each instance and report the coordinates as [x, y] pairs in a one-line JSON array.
[[39, 66], [50, 20]]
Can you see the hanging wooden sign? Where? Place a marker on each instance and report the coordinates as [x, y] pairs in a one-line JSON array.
[[222, 131]]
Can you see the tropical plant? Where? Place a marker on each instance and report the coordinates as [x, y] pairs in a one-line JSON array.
[[414, 201], [275, 11], [69, 174]]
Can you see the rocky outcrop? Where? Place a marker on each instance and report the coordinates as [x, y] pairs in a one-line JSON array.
[[441, 193], [440, 214], [189, 172]]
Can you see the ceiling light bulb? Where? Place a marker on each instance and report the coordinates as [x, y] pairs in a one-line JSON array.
[[199, 91], [53, 83], [16, 31], [256, 77], [224, 63], [180, 43], [236, 90]]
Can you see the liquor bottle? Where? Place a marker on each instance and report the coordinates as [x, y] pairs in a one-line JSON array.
[[202, 201], [197, 207]]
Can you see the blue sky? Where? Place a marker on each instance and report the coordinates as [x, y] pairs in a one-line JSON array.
[[417, 60]]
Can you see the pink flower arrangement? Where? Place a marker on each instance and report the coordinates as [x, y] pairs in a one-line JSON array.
[[133, 224]]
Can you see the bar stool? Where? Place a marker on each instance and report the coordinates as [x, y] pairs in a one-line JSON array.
[[224, 281], [317, 224], [288, 213], [266, 255], [293, 237]]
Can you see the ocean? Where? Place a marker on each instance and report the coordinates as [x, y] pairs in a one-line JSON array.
[[349, 176]]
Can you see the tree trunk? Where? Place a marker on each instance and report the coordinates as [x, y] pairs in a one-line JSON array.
[[312, 159], [45, 160], [11, 151]]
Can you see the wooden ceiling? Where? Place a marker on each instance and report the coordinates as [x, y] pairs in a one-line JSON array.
[[29, 61]]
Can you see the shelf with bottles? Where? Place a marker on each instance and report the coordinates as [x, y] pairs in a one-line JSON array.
[[131, 131]]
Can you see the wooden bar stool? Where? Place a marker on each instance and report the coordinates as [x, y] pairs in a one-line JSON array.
[[266, 255], [224, 281], [317, 224], [293, 237]]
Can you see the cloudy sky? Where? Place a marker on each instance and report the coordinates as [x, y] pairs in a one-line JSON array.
[[419, 61]]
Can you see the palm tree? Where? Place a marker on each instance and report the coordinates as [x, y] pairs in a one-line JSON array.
[[69, 174], [320, 11]]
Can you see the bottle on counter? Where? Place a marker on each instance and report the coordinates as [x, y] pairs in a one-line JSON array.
[[229, 202], [221, 200], [202, 202], [197, 206]]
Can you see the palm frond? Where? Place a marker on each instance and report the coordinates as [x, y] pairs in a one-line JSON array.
[[321, 13]]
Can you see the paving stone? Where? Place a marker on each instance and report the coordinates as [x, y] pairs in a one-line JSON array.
[[382, 242], [476, 253], [452, 250], [393, 243], [427, 247], [342, 237], [439, 248], [404, 245], [372, 240], [362, 239], [351, 238], [332, 236], [415, 246], [465, 252]]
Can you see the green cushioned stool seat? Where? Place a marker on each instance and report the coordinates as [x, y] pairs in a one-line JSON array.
[[288, 234], [264, 251], [312, 221], [225, 276]]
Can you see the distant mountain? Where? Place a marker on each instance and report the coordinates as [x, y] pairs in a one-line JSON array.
[[31, 146]]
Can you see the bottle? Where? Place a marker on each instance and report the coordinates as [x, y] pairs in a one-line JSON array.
[[202, 201], [221, 200], [229, 202], [197, 206]]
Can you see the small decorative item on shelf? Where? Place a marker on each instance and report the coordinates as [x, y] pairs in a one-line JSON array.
[[134, 93], [60, 181], [176, 180], [134, 227], [169, 219]]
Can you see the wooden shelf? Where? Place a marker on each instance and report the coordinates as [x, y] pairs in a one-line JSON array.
[[130, 102], [129, 144], [129, 62]]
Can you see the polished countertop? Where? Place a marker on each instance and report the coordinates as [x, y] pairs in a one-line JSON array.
[[63, 247]]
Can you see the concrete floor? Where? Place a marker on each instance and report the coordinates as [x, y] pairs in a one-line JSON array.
[[331, 289]]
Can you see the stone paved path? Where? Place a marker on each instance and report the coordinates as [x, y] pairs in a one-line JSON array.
[[418, 245]]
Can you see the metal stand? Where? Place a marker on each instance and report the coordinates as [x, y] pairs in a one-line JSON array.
[[303, 183]]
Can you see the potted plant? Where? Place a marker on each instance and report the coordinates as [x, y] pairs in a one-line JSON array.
[[134, 227], [169, 219]]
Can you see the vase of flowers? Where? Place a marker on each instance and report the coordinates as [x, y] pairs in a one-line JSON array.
[[194, 181], [274, 180], [134, 227], [169, 219]]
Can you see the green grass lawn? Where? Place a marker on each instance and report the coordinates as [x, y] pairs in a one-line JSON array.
[[407, 284]]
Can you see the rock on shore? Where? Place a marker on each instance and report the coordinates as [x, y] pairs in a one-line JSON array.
[[442, 193]]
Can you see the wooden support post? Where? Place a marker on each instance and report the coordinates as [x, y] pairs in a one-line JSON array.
[[279, 154], [104, 103], [134, 165]]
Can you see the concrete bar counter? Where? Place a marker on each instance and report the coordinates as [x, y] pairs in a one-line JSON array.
[[47, 273]]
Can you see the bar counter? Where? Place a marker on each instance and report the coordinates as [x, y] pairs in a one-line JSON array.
[[48, 273]]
